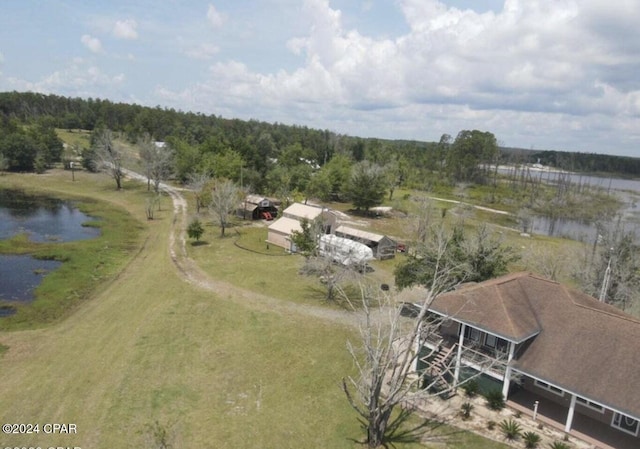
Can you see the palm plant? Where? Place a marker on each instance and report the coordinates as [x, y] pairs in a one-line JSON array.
[[495, 400], [531, 440], [511, 429], [467, 407]]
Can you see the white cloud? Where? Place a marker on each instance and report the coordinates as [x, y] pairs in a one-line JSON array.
[[78, 78], [537, 64], [92, 43], [215, 18], [125, 29]]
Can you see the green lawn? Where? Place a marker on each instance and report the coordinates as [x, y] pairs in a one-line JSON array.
[[150, 351]]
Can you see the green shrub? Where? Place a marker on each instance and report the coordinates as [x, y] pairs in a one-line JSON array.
[[491, 425], [495, 400], [466, 409], [559, 445], [471, 388], [195, 229], [531, 440], [511, 429]]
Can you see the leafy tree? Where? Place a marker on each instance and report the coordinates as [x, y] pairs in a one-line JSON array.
[[468, 153], [188, 158], [396, 172], [20, 150], [472, 259], [195, 229], [89, 159], [49, 144], [338, 173], [367, 185], [4, 163], [319, 186], [306, 240], [225, 197]]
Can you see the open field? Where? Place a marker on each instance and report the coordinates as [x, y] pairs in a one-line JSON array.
[[151, 351]]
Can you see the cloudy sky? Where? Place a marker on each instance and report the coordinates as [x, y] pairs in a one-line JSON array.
[[543, 74]]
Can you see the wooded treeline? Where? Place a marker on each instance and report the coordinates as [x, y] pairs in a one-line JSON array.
[[197, 137]]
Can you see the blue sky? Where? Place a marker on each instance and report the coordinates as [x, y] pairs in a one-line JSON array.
[[543, 74]]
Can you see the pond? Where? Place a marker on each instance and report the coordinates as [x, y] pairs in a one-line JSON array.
[[20, 275], [627, 190], [44, 219]]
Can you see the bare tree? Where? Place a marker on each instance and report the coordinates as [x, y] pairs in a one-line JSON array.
[[157, 161], [386, 354], [110, 156], [225, 197], [331, 274], [610, 269], [422, 220], [197, 182]]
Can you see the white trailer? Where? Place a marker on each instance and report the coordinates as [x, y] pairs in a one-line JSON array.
[[344, 251]]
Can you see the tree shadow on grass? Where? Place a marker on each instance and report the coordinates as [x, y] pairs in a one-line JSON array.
[[401, 431], [348, 298], [199, 243], [420, 431]]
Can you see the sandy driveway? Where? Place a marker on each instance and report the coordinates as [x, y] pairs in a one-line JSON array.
[[194, 275]]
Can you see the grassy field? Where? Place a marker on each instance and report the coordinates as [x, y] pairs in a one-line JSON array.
[[149, 353]]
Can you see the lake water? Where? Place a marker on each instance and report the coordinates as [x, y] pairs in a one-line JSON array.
[[628, 190], [43, 219], [20, 275]]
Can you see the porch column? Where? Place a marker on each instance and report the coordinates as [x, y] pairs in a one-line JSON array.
[[417, 348], [572, 408], [456, 374], [507, 373]]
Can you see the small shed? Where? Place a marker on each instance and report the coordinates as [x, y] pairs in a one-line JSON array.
[[382, 246], [279, 232], [299, 211], [257, 207]]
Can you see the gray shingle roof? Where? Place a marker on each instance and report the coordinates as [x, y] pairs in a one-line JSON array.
[[576, 342]]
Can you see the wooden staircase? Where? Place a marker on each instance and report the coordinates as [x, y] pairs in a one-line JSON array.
[[438, 368]]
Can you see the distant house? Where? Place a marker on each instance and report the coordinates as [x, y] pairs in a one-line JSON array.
[[382, 246], [578, 357], [257, 207], [279, 232]]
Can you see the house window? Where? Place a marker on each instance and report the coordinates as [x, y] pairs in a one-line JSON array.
[[588, 404], [471, 333], [546, 386], [490, 340], [625, 423]]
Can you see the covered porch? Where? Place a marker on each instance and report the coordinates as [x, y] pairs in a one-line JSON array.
[[597, 433]]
